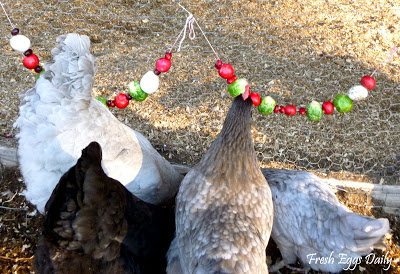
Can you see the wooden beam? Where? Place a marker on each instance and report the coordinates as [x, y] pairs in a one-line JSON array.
[[8, 156]]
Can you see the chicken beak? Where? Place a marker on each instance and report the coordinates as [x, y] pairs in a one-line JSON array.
[[246, 93]]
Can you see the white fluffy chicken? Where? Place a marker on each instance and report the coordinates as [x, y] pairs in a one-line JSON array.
[[311, 223], [59, 117], [224, 206]]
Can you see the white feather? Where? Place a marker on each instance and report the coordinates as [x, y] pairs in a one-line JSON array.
[[59, 117]]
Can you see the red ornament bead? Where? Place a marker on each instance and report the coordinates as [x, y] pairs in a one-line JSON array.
[[282, 109], [15, 31], [226, 71], [121, 101], [232, 79], [38, 69], [218, 64], [31, 61], [276, 109], [256, 98], [290, 110], [156, 72], [28, 52], [302, 111], [163, 64], [368, 82], [111, 103], [327, 107], [168, 55]]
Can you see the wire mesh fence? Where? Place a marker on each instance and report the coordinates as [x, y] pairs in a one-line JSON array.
[[294, 51]]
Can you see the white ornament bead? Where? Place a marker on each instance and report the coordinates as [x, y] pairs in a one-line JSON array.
[[358, 93], [149, 82], [20, 43]]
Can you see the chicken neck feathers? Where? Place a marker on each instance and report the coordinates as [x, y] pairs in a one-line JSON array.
[[224, 206], [233, 150]]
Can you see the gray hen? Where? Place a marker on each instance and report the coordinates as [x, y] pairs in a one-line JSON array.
[[224, 207], [309, 219]]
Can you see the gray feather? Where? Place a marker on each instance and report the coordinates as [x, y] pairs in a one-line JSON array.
[[224, 207], [309, 218]]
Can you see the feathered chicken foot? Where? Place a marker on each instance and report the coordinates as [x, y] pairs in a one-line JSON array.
[[277, 266], [298, 269], [280, 264]]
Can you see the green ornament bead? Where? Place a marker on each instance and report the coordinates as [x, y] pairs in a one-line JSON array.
[[314, 111], [238, 87], [102, 100], [136, 91], [267, 105], [343, 103], [37, 76]]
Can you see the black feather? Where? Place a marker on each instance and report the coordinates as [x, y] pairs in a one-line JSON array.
[[94, 224]]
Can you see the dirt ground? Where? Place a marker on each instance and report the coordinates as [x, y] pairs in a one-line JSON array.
[[294, 50]]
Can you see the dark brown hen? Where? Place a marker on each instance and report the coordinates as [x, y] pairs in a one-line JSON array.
[[94, 224]]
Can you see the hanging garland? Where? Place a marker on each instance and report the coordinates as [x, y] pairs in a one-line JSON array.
[[149, 83], [21, 43], [140, 90]]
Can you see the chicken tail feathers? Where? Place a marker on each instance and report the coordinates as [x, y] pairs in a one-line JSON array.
[[60, 95], [80, 218], [97, 217], [73, 67], [368, 232], [91, 155]]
